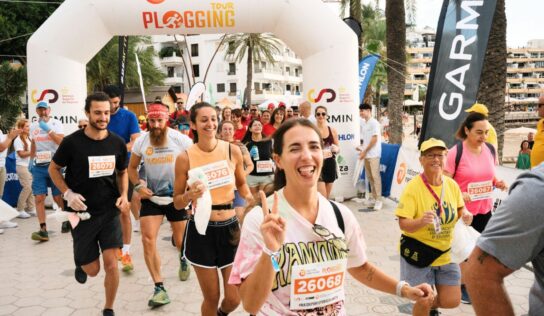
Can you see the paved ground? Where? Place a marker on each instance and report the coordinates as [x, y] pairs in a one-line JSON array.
[[37, 279]]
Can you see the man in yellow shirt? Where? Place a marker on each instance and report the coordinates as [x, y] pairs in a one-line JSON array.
[[428, 210], [492, 134], [537, 153]]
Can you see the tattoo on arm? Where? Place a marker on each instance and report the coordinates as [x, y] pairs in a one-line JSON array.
[[370, 274], [482, 257]]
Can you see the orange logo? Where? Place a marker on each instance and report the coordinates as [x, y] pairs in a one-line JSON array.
[[149, 151], [155, 1], [172, 19], [401, 174]]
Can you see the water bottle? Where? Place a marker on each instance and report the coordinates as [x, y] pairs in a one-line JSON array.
[[254, 152]]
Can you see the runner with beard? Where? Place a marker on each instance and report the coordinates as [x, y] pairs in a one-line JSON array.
[[158, 148], [96, 182], [45, 135], [223, 165]]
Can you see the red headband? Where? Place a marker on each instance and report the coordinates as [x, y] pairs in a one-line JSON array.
[[157, 111]]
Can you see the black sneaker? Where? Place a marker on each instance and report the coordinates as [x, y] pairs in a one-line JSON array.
[[65, 228], [465, 298], [108, 312], [434, 312], [80, 275]]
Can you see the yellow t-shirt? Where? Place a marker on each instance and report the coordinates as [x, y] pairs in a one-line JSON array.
[[537, 153], [492, 136], [416, 199]]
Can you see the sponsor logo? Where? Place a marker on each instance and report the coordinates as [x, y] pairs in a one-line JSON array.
[[401, 173], [342, 165], [52, 95], [341, 118], [149, 151], [346, 137], [322, 92], [219, 15]]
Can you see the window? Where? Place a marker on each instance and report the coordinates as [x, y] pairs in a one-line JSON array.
[[288, 87], [296, 72], [232, 87], [288, 71], [196, 70], [232, 68], [194, 50], [257, 85], [220, 87], [231, 48], [170, 71], [267, 86]]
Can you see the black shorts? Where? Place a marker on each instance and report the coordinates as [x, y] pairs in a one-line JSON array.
[[172, 215], [100, 232], [328, 172], [217, 248], [479, 222]]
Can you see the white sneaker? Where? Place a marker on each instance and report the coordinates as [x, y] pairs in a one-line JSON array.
[[8, 224], [23, 214], [378, 205], [32, 213], [135, 226], [1, 231]]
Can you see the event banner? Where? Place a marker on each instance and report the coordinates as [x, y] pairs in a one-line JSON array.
[[458, 57], [406, 169], [123, 57], [366, 67]]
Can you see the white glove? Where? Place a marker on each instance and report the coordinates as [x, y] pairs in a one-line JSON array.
[[75, 200]]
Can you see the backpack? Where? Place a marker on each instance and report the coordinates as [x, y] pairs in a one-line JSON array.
[[339, 217], [459, 153]]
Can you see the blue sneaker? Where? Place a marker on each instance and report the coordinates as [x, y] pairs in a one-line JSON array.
[[465, 298]]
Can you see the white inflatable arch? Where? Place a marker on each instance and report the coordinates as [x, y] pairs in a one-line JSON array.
[[60, 49]]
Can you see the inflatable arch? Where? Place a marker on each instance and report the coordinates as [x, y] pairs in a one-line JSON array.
[[60, 49]]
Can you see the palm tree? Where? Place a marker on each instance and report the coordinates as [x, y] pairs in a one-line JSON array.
[[102, 70], [12, 88], [396, 65], [493, 79], [258, 48]]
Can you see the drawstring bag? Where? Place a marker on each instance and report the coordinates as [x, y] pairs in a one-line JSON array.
[[464, 241]]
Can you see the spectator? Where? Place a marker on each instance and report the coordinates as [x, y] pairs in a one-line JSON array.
[[22, 146], [5, 142], [239, 128], [180, 108], [331, 148], [306, 111], [371, 151], [226, 114], [143, 122], [537, 150], [524, 157], [512, 238], [278, 116], [254, 113], [531, 139], [289, 113], [82, 123]]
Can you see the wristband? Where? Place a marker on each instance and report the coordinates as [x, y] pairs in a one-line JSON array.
[[400, 285], [274, 255], [138, 187]]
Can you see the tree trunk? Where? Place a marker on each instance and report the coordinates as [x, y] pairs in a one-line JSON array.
[[396, 66], [493, 79], [355, 12], [249, 78]]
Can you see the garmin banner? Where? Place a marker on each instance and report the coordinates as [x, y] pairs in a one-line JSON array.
[[366, 67], [123, 56], [461, 41]]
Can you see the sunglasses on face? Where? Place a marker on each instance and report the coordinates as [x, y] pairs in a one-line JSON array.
[[81, 126], [179, 103], [321, 114]]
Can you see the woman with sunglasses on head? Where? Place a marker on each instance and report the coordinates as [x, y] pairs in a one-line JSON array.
[[330, 149], [278, 116], [260, 150], [226, 133], [223, 165], [304, 244]]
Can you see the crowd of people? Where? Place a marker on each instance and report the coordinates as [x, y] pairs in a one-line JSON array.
[[246, 191]]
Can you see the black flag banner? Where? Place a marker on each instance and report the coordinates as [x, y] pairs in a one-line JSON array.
[[123, 56], [458, 57]]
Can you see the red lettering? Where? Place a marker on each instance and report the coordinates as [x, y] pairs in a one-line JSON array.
[[147, 17], [155, 15]]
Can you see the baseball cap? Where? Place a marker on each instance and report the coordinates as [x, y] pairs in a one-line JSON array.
[[42, 104], [432, 143], [478, 108]]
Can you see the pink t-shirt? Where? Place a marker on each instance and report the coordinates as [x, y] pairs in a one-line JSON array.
[[476, 171], [299, 245]]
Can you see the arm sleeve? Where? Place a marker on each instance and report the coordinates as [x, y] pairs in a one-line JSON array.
[[450, 160], [515, 233], [63, 155]]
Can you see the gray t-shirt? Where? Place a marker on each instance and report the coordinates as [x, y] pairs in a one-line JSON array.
[[515, 233]]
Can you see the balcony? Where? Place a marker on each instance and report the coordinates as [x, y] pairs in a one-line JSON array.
[[231, 73], [172, 61], [169, 81]]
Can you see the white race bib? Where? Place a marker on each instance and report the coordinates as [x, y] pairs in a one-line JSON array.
[[43, 157], [317, 284], [217, 173], [264, 166], [480, 190], [101, 166]]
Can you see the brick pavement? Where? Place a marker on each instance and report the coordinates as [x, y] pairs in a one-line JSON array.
[[37, 279]]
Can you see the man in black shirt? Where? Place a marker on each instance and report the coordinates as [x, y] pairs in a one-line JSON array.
[[96, 182]]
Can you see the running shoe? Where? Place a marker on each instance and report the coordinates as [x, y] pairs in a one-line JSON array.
[[80, 275], [465, 298], [434, 312], [8, 224], [184, 270], [108, 312], [41, 235], [65, 228], [1, 231], [159, 298], [378, 205], [32, 213], [23, 214], [126, 261]]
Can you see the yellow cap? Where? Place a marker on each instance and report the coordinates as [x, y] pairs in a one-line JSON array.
[[431, 143], [141, 118], [478, 108]]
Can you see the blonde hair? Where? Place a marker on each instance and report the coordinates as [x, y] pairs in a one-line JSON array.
[[24, 137]]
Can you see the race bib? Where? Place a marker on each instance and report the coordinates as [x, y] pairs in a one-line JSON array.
[[317, 284], [217, 173], [480, 190], [43, 157], [265, 166], [101, 166]]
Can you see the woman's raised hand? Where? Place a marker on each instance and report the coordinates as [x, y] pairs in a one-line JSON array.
[[273, 226]]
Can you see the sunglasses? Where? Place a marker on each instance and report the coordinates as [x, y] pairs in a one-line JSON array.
[[81, 126], [180, 103], [183, 127], [321, 114], [337, 242], [253, 110]]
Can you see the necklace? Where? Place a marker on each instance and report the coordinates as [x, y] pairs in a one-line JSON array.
[[209, 151]]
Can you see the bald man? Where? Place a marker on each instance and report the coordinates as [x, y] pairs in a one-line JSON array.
[[537, 153], [305, 109]]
